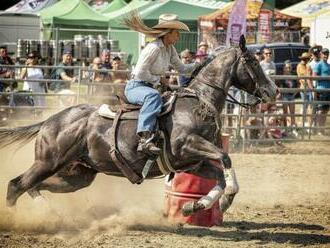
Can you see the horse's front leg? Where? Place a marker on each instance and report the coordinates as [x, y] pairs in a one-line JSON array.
[[197, 147]]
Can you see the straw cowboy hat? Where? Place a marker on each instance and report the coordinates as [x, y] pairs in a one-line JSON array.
[[170, 21], [305, 55], [166, 23]]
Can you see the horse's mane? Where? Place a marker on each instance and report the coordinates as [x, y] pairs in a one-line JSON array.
[[206, 62]]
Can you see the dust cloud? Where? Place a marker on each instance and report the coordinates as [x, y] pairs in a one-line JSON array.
[[110, 204]]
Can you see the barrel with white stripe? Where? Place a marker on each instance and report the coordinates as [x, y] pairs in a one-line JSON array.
[[185, 187]]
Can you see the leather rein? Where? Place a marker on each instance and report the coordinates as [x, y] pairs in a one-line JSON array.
[[244, 59]]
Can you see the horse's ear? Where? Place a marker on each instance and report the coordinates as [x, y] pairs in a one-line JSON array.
[[242, 43]]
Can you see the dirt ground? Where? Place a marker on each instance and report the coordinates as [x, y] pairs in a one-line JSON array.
[[283, 202]]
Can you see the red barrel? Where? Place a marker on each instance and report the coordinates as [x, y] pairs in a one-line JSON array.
[[185, 187]]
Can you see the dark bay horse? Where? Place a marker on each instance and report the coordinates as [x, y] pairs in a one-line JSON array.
[[72, 146]]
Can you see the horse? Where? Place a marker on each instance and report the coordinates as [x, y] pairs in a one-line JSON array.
[[73, 145]]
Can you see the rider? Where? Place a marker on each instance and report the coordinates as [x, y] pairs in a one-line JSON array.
[[151, 66]]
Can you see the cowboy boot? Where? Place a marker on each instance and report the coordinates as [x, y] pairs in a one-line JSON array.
[[147, 145]]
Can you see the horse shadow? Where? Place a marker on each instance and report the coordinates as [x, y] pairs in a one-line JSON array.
[[242, 234]]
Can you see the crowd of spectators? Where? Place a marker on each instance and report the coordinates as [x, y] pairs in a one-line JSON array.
[[106, 69], [281, 120]]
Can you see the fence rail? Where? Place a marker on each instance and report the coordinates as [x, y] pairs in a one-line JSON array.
[[235, 120]]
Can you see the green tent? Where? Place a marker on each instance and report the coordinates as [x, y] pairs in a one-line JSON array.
[[116, 16], [113, 6], [72, 13], [185, 10]]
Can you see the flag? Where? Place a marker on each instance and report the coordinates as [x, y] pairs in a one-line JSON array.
[[30, 6], [237, 22]]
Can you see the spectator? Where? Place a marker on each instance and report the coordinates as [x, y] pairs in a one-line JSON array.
[[202, 52], [323, 69], [62, 73], [99, 77], [267, 63], [315, 53], [118, 74], [273, 123], [288, 97], [106, 63], [32, 73], [96, 76], [258, 55], [5, 72], [302, 71], [186, 58], [200, 56], [106, 59], [204, 47]]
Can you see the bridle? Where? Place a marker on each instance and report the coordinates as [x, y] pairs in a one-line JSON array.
[[244, 57]]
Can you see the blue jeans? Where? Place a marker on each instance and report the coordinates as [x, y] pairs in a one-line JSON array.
[[138, 92]]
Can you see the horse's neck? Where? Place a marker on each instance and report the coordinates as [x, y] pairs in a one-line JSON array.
[[217, 73]]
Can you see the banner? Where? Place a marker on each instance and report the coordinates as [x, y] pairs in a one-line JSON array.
[[236, 23], [30, 6], [265, 26]]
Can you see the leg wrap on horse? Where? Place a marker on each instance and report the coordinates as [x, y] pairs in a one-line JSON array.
[[213, 196], [231, 181]]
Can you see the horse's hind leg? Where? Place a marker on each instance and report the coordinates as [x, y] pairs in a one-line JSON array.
[[69, 179], [37, 173]]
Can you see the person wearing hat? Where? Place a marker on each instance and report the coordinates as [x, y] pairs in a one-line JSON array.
[[258, 55], [149, 72], [303, 71], [32, 73], [323, 69], [201, 54], [203, 46]]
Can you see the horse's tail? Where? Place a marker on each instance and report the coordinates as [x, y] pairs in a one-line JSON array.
[[21, 135]]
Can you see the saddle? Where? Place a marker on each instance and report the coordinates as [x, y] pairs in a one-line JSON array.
[[127, 111]]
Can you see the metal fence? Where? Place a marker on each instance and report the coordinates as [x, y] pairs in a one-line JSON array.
[[238, 122]]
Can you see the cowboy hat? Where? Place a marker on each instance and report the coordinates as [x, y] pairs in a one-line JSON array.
[[305, 55], [170, 21]]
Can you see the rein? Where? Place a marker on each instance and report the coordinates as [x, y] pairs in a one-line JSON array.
[[232, 99]]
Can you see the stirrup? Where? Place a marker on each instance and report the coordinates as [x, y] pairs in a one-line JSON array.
[[148, 146]]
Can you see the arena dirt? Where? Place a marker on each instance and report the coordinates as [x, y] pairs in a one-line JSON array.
[[283, 202]]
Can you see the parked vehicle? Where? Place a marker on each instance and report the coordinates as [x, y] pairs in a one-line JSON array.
[[282, 52]]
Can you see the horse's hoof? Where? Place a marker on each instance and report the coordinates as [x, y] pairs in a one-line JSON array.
[[225, 202], [191, 207], [11, 203]]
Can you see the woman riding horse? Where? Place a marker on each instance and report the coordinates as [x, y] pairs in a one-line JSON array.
[[152, 64]]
